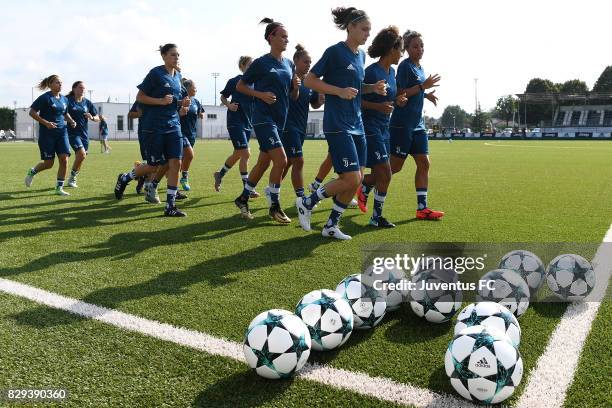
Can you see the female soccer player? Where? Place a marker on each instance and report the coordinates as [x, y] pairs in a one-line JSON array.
[[376, 110], [50, 110], [295, 129], [81, 110], [239, 126], [342, 69], [103, 129], [274, 82], [189, 118], [161, 94], [408, 135]]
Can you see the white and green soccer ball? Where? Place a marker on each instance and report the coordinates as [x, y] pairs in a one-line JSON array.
[[492, 316], [391, 283], [277, 344], [328, 316], [483, 366], [366, 302], [528, 265], [506, 287], [570, 277], [430, 299]]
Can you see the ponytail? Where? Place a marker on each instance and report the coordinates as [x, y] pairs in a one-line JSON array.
[[271, 27], [344, 16], [46, 82]]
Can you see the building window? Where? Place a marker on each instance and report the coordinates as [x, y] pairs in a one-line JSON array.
[[120, 123], [211, 115], [130, 124]]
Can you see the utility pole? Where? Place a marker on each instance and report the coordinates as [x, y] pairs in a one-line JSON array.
[[215, 75], [475, 94], [90, 91]]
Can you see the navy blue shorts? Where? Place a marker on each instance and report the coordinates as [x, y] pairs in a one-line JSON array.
[[52, 142], [163, 145], [377, 140], [240, 137], [405, 142], [348, 151], [293, 140], [188, 142], [78, 142], [268, 137], [142, 144]]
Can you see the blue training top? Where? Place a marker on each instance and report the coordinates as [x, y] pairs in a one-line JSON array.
[[271, 75], [77, 111], [341, 67], [411, 115], [189, 121], [242, 117], [374, 73], [297, 118], [51, 109], [157, 84]]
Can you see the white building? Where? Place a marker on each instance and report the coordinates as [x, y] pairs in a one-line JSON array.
[[213, 126]]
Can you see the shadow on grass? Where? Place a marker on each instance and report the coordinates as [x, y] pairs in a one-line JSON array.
[[42, 317], [244, 389], [408, 328]]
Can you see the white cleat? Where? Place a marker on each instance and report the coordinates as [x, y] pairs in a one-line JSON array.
[[28, 180], [334, 232], [304, 214], [60, 192], [268, 196], [72, 183], [353, 204]]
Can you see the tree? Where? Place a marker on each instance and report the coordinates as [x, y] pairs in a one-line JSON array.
[[539, 85], [454, 116], [574, 86], [604, 83], [7, 118], [505, 108], [536, 113], [480, 120]]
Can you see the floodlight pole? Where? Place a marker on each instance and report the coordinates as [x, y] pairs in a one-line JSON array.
[[215, 75]]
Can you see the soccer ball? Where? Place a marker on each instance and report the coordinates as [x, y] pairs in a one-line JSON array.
[[528, 265], [277, 344], [483, 365], [328, 316], [492, 316], [570, 277], [436, 305], [367, 303], [392, 285], [509, 289]]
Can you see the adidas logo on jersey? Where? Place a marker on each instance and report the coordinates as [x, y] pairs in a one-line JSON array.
[[351, 67], [167, 85], [483, 363], [273, 70]]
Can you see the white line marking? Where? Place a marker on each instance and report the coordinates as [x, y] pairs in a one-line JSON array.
[[554, 370], [544, 146], [377, 387]]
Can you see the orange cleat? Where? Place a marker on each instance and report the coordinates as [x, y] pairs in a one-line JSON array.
[[429, 214], [362, 200]]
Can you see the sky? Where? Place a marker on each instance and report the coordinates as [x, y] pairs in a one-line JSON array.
[[111, 46]]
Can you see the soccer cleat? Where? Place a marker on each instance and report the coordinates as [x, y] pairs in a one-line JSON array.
[[304, 214], [243, 206], [254, 194], [278, 215], [173, 212], [180, 196], [29, 178], [429, 214], [268, 196], [60, 191], [185, 184], [362, 200], [218, 179], [354, 204], [140, 185], [334, 232], [120, 186], [72, 182], [381, 222], [311, 187], [152, 196]]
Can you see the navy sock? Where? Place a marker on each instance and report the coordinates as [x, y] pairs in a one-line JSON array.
[[379, 202], [33, 171], [421, 198], [248, 188], [127, 177], [274, 190], [154, 184], [366, 189], [244, 175], [171, 196], [224, 169], [336, 213], [60, 183], [314, 198], [185, 174], [299, 192]]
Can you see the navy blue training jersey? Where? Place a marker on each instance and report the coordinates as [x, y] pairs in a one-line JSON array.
[[51, 109], [374, 73], [189, 121], [242, 117], [341, 67], [411, 115], [297, 117], [77, 111], [271, 75], [157, 84]]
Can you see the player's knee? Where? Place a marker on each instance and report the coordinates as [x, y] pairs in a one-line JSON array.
[[47, 164], [422, 163]]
